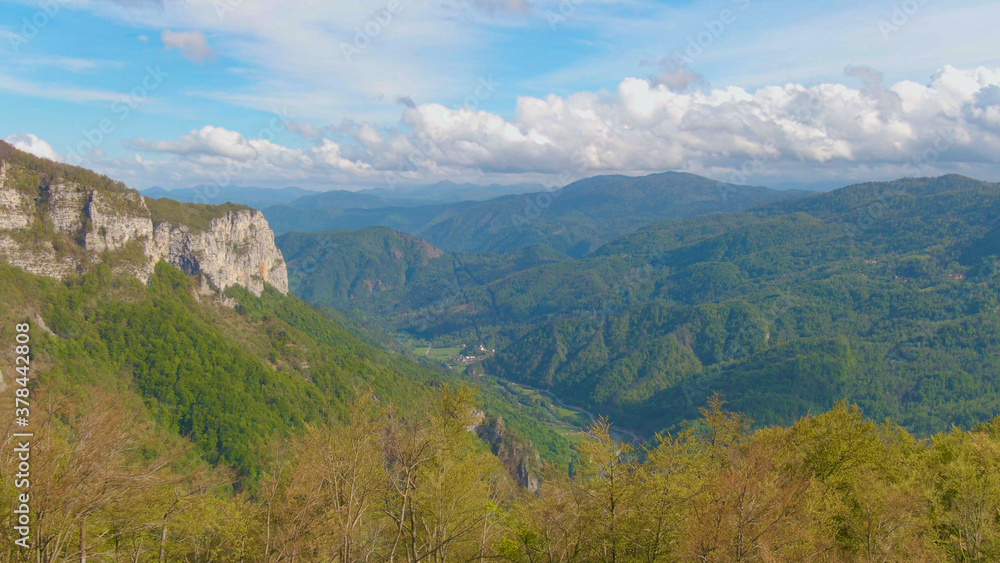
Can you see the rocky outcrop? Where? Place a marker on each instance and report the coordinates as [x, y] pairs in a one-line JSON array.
[[237, 249], [61, 228], [115, 220], [41, 259], [67, 204], [420, 247], [520, 459], [14, 207]]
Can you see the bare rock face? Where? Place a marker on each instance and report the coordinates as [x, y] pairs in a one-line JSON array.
[[237, 249], [41, 259], [61, 228], [14, 207], [115, 220], [521, 459], [67, 203], [19, 243]]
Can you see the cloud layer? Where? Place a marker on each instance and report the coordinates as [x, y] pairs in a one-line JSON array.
[[951, 123]]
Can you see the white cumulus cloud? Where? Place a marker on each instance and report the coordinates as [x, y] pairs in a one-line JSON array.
[[209, 140], [822, 132], [32, 144], [644, 125], [215, 154]]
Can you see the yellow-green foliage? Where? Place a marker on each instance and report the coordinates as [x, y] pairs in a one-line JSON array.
[[390, 487]]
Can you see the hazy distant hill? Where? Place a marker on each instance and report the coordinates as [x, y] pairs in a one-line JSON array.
[[340, 199], [410, 196], [286, 218], [448, 192], [584, 215], [575, 219], [258, 198]]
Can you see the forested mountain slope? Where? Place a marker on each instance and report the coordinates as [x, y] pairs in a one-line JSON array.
[[178, 313], [883, 293], [393, 278]]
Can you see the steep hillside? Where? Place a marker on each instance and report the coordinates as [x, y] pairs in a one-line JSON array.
[[362, 262], [180, 312], [399, 282]]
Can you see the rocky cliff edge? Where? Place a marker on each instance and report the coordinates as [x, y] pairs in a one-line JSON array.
[[57, 220]]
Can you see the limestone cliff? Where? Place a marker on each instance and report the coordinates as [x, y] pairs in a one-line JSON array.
[[57, 220], [237, 248]]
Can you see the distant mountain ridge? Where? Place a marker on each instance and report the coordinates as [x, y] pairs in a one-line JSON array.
[[582, 216], [414, 219], [575, 219], [257, 198], [447, 191], [403, 196]]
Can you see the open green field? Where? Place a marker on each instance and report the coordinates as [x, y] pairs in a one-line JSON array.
[[438, 354]]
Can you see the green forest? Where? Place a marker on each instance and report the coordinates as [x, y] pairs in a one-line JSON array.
[[882, 293]]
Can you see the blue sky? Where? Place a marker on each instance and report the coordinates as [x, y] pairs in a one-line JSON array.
[[280, 93]]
